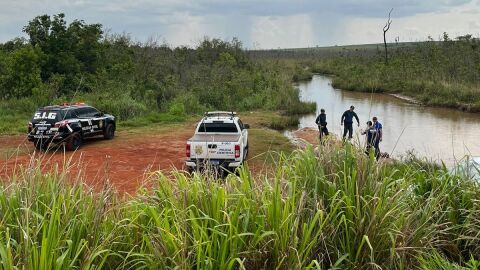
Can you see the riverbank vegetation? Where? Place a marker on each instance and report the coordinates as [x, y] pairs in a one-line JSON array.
[[440, 73], [341, 210], [60, 61]]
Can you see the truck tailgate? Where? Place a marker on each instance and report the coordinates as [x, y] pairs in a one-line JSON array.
[[213, 147], [215, 138]]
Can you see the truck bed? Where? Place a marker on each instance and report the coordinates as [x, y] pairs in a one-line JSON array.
[[215, 138]]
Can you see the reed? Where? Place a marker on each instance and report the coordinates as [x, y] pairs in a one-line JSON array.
[[330, 208]]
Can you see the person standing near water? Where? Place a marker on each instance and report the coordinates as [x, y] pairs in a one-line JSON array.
[[347, 122], [377, 126], [321, 122]]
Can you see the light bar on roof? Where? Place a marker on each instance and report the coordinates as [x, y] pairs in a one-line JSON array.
[[220, 113]]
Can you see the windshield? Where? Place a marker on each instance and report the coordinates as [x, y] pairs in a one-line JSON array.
[[218, 127]]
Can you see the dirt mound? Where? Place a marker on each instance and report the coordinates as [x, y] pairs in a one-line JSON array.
[[123, 161]]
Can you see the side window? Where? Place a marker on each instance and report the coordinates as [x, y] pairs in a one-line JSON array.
[[82, 112], [87, 112], [93, 112], [70, 114], [240, 124]]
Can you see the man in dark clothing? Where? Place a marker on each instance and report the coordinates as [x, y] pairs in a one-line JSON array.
[[347, 119], [321, 122]]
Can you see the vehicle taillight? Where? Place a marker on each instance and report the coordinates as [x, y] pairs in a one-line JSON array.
[[61, 124], [30, 126], [187, 150], [237, 151]]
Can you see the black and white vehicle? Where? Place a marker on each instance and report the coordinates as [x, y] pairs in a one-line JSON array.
[[220, 140], [69, 124]]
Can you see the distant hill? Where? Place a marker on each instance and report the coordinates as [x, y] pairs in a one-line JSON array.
[[317, 52]]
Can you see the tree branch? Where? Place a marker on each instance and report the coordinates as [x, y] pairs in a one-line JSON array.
[[385, 29]]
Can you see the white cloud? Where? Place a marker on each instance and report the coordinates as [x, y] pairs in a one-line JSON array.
[[413, 28], [284, 31], [268, 23]]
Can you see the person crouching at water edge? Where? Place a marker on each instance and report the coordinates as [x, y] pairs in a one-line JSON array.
[[374, 136], [370, 132], [321, 122], [377, 126], [347, 122]]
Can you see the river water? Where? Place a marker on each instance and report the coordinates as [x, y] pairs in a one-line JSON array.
[[434, 133]]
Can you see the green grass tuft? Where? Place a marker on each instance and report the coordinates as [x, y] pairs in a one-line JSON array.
[[329, 208]]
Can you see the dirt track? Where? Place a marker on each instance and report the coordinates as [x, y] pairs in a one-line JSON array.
[[125, 160], [129, 158]]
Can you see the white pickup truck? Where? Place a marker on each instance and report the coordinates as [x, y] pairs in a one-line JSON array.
[[220, 139]]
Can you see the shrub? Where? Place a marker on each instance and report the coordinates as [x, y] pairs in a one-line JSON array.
[[332, 207]]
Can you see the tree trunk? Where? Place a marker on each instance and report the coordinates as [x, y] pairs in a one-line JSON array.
[[386, 50], [385, 29]]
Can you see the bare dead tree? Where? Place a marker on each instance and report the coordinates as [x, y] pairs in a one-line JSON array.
[[385, 29]]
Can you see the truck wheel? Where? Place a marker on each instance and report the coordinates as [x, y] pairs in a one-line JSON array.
[[222, 173], [73, 142], [245, 155], [188, 169], [109, 132]]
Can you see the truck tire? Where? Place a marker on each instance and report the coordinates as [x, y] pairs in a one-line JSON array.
[[73, 142], [245, 151], [109, 132], [188, 169]]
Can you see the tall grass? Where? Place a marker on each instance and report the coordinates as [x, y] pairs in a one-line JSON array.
[[441, 82], [332, 208]]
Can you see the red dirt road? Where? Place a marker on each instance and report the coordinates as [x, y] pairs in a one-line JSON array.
[[125, 161]]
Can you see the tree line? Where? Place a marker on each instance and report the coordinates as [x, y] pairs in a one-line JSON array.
[[443, 72], [60, 61]]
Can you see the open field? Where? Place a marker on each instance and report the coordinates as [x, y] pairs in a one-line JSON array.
[[128, 160], [125, 161], [357, 50]]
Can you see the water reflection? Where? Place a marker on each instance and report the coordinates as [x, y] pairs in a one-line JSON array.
[[436, 133]]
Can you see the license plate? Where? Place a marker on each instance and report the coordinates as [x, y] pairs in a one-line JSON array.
[[214, 162], [42, 128], [41, 137]]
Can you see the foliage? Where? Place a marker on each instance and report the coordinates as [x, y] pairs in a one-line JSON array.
[[340, 210], [442, 73], [76, 62], [20, 75], [283, 122], [71, 51]]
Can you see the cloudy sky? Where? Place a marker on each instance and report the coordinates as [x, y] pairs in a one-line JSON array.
[[258, 23]]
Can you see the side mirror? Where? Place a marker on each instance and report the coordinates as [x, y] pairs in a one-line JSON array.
[[246, 126]]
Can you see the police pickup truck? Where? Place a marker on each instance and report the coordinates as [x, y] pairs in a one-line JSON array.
[[69, 124], [220, 140]]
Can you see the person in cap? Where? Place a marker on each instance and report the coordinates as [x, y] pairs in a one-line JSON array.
[[347, 122]]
